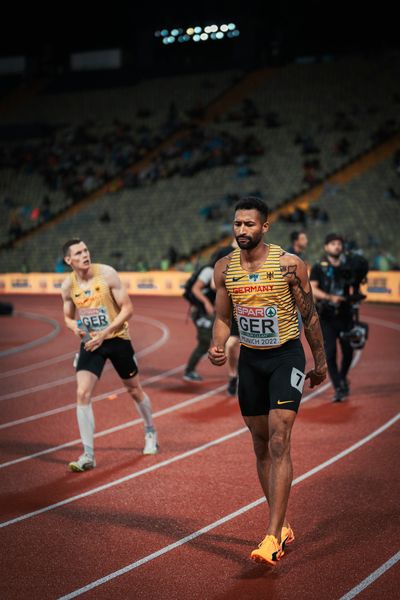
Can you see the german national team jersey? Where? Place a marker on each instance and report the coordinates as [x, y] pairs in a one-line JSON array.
[[96, 305], [263, 304]]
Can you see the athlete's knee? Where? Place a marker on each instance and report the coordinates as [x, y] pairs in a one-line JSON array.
[[135, 390], [279, 444], [83, 395]]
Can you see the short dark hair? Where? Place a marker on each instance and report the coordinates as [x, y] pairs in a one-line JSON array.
[[253, 203], [68, 244], [331, 237], [294, 236]]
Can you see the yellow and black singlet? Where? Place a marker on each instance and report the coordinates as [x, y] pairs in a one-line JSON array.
[[263, 304], [96, 305]]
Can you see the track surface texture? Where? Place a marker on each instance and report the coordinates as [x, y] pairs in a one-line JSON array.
[[182, 524]]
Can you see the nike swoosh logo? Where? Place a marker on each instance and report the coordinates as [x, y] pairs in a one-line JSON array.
[[234, 279], [284, 401]]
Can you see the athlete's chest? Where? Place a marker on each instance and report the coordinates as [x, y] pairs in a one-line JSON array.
[[89, 293]]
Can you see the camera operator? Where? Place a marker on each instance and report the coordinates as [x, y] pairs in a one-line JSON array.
[[332, 285]]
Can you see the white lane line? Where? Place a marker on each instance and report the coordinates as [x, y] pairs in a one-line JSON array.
[[38, 365], [39, 341], [383, 323], [223, 520], [45, 386], [116, 428], [127, 424], [372, 577], [72, 405], [124, 479], [165, 411]]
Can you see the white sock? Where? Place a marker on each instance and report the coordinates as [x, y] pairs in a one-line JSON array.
[[144, 409], [84, 413]]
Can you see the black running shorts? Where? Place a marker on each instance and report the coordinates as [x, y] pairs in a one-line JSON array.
[[119, 351], [270, 379]]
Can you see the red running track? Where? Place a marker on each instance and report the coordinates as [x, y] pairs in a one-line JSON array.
[[182, 524]]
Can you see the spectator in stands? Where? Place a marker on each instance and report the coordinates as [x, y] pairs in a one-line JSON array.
[[384, 261], [298, 243]]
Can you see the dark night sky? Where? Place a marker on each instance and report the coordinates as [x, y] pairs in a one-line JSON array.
[[74, 26]]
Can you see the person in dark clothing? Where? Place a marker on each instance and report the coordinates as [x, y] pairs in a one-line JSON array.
[[298, 243], [331, 290]]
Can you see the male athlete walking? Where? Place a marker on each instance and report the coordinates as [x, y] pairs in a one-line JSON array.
[[266, 285]]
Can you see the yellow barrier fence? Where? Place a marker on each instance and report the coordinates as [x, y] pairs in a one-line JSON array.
[[381, 286]]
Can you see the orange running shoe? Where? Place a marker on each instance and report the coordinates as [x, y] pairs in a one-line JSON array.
[[269, 551], [287, 536]]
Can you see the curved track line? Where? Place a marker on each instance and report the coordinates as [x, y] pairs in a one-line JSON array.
[[38, 365], [129, 423], [39, 341], [103, 396], [229, 517], [121, 427], [159, 413], [55, 359], [372, 577], [45, 386]]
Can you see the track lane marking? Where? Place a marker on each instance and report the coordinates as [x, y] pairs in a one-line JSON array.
[[170, 409], [45, 386], [128, 423], [38, 341], [226, 518], [120, 427], [372, 577]]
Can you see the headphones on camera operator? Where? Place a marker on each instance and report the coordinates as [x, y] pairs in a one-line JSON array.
[[345, 280]]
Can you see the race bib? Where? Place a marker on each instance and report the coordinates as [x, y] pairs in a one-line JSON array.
[[258, 326], [95, 319]]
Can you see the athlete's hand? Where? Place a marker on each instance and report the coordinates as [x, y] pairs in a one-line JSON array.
[[217, 355], [316, 377], [95, 342]]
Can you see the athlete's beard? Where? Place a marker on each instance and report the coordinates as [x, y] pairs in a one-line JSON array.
[[249, 243]]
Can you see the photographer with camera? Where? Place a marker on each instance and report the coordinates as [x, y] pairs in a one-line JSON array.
[[335, 281]]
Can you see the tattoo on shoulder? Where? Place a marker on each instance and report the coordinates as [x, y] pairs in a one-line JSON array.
[[289, 271]]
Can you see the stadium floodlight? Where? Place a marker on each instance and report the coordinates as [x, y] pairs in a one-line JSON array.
[[197, 33]]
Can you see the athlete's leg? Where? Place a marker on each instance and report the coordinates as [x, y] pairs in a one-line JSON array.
[[86, 382], [258, 427], [143, 405], [280, 423], [141, 399]]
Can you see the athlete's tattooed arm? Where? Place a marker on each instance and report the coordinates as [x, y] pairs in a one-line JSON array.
[[295, 272], [223, 314]]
